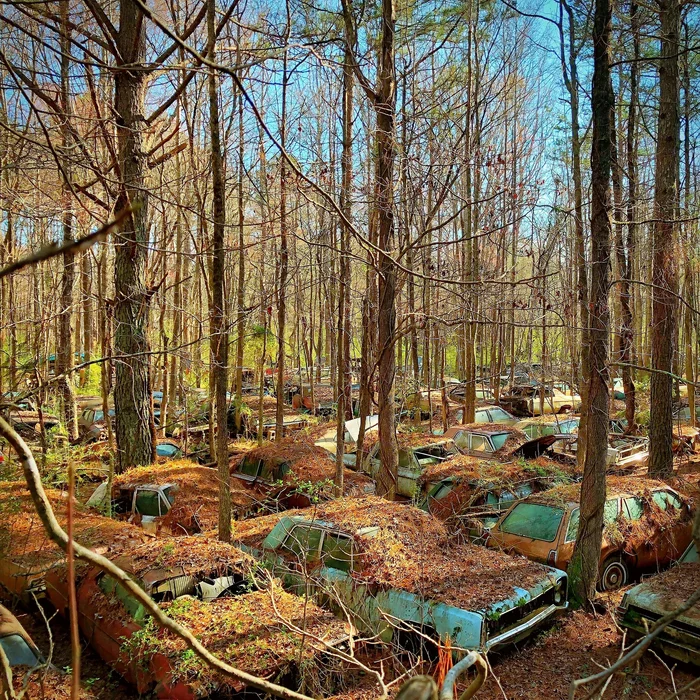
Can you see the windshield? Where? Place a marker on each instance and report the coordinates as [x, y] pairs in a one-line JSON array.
[[533, 520], [499, 440], [18, 652], [166, 450]]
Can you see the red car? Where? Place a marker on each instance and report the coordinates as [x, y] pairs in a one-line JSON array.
[[204, 584]]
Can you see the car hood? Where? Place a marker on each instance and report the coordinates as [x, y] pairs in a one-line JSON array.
[[666, 591]]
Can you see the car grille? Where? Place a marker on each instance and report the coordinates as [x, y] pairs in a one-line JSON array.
[[511, 617]]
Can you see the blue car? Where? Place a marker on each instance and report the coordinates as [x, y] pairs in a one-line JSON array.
[[394, 568]]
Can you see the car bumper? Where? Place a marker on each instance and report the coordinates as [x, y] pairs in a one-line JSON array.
[[525, 627], [682, 644]]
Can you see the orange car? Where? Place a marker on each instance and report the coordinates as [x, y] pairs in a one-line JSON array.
[[647, 526]]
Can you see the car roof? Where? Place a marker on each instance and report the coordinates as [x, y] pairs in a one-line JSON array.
[[617, 487]]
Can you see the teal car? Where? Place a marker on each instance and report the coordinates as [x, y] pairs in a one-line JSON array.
[[396, 571], [644, 604]]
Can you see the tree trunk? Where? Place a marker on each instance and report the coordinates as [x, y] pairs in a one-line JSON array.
[[664, 269], [135, 430], [219, 328], [64, 351], [583, 569], [385, 108]]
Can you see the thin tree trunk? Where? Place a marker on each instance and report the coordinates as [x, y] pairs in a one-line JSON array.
[[219, 328], [664, 267]]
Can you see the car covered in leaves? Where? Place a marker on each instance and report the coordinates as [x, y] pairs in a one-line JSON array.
[[417, 451], [26, 552], [624, 451], [176, 498], [647, 525], [207, 586], [499, 441], [659, 595], [470, 494], [294, 473], [398, 572]]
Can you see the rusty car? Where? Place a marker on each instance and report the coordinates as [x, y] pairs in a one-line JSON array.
[[647, 526], [293, 472], [470, 494], [208, 586]]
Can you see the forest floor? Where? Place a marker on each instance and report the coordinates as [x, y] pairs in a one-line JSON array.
[[577, 645]]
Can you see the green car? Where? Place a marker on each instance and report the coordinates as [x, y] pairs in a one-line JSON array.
[[395, 569], [644, 604]]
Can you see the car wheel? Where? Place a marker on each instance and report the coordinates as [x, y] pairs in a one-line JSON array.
[[614, 574]]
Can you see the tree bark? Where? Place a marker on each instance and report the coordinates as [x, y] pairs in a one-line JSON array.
[[218, 283], [583, 569], [664, 267], [135, 430], [385, 109]]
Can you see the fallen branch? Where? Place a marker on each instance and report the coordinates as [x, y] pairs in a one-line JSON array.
[[54, 249], [58, 535]]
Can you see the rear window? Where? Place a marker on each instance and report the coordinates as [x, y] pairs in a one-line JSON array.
[[250, 467], [666, 499], [533, 520], [498, 414], [148, 503]]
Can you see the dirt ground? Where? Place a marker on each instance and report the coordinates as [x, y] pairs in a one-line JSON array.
[[577, 646]]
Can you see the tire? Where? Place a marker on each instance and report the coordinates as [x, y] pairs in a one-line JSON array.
[[614, 574]]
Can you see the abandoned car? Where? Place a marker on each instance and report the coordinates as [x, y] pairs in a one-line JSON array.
[[293, 473], [416, 452], [397, 570], [18, 646], [650, 600], [647, 525], [207, 586], [177, 498], [533, 400], [470, 494]]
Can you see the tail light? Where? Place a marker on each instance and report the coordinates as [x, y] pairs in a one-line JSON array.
[[552, 557]]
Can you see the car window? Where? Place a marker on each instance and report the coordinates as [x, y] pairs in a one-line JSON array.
[[87, 415], [441, 489], [690, 554], [304, 541], [169, 492], [481, 417], [610, 511], [148, 503], [534, 520], [664, 499], [166, 450], [568, 426], [404, 458], [114, 589], [479, 443], [18, 652], [250, 466], [99, 415], [462, 440], [337, 552], [572, 527], [499, 440], [498, 414], [633, 508], [523, 490]]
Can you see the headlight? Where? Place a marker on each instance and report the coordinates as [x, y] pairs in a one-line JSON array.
[[558, 597]]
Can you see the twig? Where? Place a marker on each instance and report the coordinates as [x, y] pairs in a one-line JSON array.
[[53, 249]]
